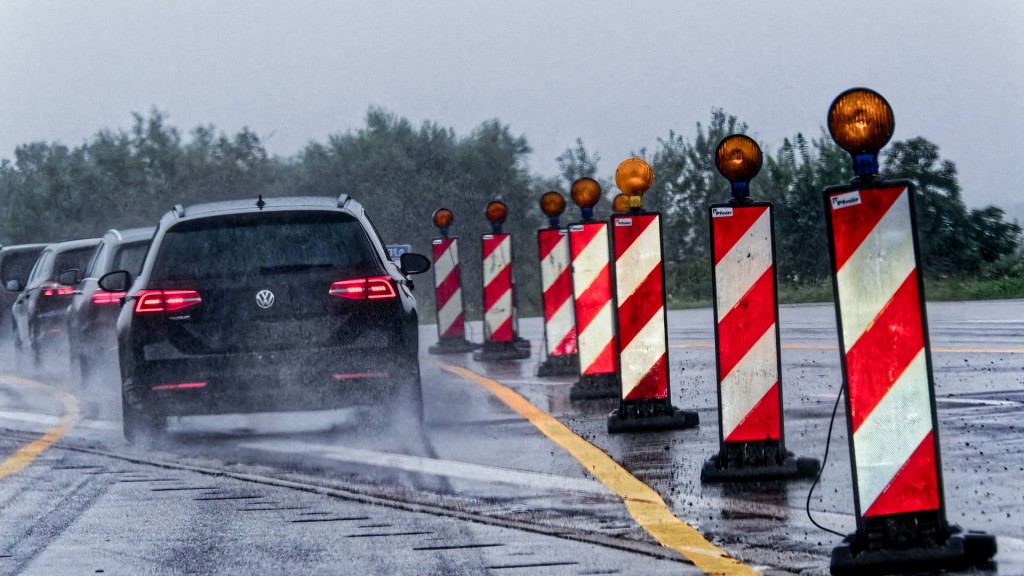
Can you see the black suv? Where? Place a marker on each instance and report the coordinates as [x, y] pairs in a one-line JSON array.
[[92, 315], [276, 305], [40, 312]]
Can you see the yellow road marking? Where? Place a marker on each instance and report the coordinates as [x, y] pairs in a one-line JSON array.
[[645, 505], [29, 452], [795, 347]]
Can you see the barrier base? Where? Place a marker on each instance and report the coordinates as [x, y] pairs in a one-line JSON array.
[[960, 551], [499, 351], [452, 346], [595, 387], [561, 365], [753, 461], [521, 342], [649, 416]]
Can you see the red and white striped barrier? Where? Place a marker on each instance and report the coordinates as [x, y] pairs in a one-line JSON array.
[[499, 300], [595, 312], [887, 364], [642, 330], [451, 331], [559, 315], [747, 349]]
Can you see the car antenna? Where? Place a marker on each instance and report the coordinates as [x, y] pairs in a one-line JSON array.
[[260, 203]]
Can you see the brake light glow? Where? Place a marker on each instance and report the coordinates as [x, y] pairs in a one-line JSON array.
[[373, 288], [104, 297], [55, 289], [183, 386], [156, 301]]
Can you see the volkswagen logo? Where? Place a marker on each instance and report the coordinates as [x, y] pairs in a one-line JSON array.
[[264, 299]]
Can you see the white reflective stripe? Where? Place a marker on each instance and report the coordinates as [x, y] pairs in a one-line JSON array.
[[876, 270], [446, 263], [595, 338], [590, 262], [749, 381], [640, 355], [892, 432], [560, 324], [743, 264], [498, 260], [555, 263], [637, 262], [501, 311], [450, 311]]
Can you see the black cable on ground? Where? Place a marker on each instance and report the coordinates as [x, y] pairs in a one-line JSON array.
[[824, 460]]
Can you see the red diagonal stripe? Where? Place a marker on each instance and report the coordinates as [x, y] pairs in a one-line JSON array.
[[605, 363], [447, 287], [728, 230], [763, 422], [558, 293], [580, 239], [491, 244], [915, 487], [744, 325], [439, 249], [457, 328], [625, 236], [504, 332], [499, 285], [640, 307], [654, 384], [566, 346], [884, 351], [852, 224], [593, 299], [547, 240]]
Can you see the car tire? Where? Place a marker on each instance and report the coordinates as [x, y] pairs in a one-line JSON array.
[[141, 427]]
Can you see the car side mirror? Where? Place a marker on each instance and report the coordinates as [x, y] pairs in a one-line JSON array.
[[411, 263], [13, 286], [70, 277], [118, 281]]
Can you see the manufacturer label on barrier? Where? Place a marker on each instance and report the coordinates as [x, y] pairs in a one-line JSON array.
[[623, 221], [846, 200], [721, 212]]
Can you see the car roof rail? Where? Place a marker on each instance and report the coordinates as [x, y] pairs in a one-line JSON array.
[[343, 200], [179, 210]]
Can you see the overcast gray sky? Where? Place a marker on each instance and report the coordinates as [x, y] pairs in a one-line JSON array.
[[617, 74]]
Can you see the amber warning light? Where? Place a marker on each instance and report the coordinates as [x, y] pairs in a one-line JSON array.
[[496, 212], [861, 122], [586, 192], [552, 204], [739, 159], [443, 219], [634, 177]]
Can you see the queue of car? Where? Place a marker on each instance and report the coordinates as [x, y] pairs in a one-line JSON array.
[[227, 307]]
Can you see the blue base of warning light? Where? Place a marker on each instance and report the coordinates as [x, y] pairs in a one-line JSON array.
[[790, 468], [675, 420], [500, 351], [452, 346], [960, 551]]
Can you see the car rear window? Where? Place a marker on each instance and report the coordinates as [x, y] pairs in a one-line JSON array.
[[17, 265], [129, 257], [77, 259], [263, 243]]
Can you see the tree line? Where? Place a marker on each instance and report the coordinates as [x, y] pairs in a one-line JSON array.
[[402, 173]]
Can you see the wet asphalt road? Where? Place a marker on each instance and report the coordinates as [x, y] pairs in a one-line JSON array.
[[479, 489]]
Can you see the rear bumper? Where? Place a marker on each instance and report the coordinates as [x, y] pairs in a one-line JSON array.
[[270, 381]]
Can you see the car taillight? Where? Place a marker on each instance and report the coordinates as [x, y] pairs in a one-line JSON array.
[[373, 288], [103, 297], [55, 289], [155, 301]]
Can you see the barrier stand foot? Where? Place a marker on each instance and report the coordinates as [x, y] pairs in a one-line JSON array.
[[650, 416], [959, 551], [522, 343], [452, 346], [595, 387], [754, 461], [499, 351], [561, 365]]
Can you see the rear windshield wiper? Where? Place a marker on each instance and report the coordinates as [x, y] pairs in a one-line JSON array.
[[284, 268]]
